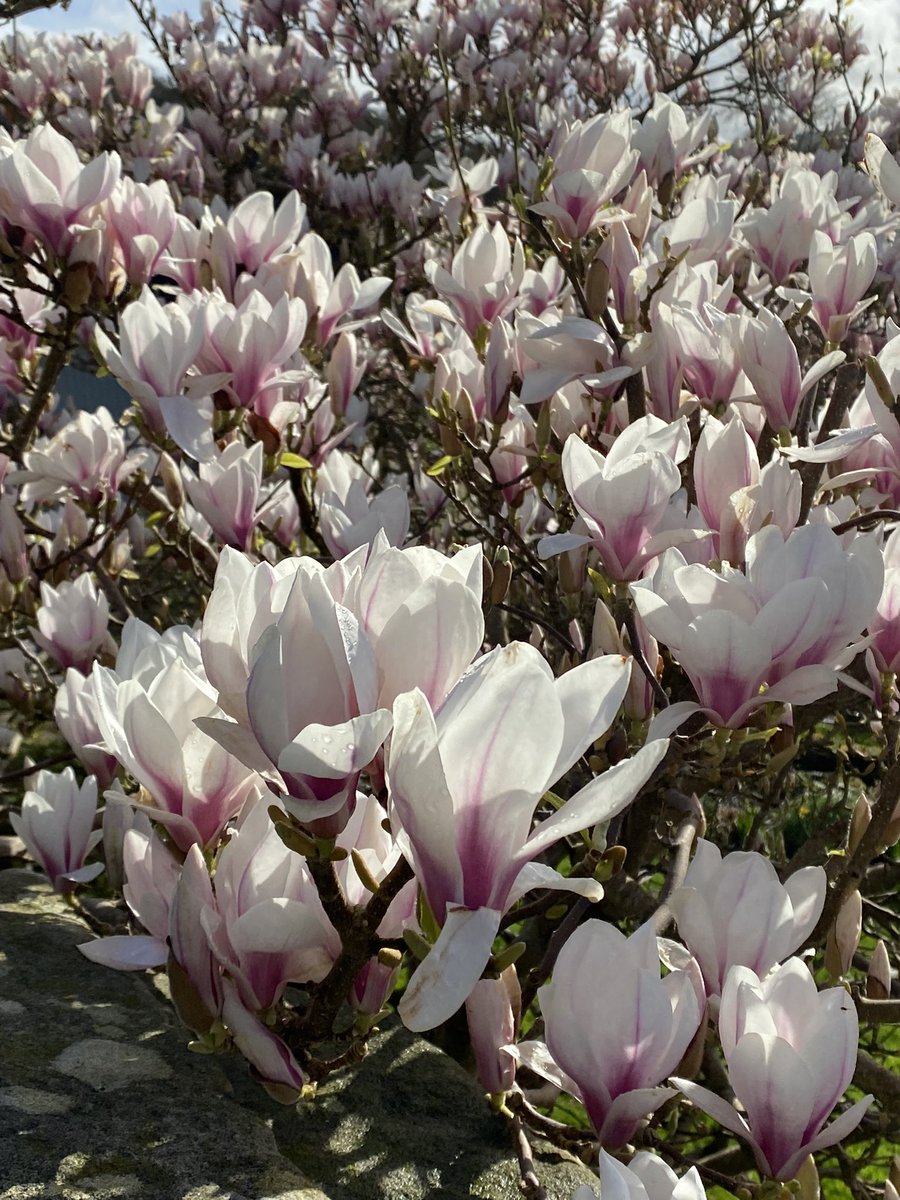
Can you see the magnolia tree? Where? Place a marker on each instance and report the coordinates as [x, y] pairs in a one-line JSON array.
[[488, 606]]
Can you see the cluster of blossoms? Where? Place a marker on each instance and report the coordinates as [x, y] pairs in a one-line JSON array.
[[503, 503]]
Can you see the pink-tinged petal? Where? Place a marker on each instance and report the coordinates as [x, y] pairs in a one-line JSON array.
[[777, 1090], [883, 168], [689, 1187], [187, 937], [154, 749], [27, 186], [802, 686], [241, 743], [743, 1009], [336, 751], [706, 864], [437, 631], [726, 660], [834, 1040], [714, 1106], [127, 953], [830, 1136], [536, 1057], [189, 423], [94, 182], [820, 369], [450, 970], [618, 1182], [485, 756], [538, 875], [694, 918], [806, 890], [560, 543], [84, 874], [600, 800], [591, 695], [271, 1060], [419, 794], [833, 448], [792, 620], [752, 910], [670, 719], [626, 1110]]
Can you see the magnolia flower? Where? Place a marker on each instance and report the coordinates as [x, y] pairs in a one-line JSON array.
[[249, 345], [493, 1009], [75, 713], [884, 627], [267, 927], [483, 279], [308, 661], [613, 1036], [195, 976], [366, 836], [665, 138], [56, 823], [791, 1053], [45, 189], [724, 461], [151, 878], [733, 911], [72, 622], [253, 234], [227, 493], [624, 496], [86, 458], [883, 168], [270, 1059], [646, 1177], [246, 598], [593, 160], [770, 361], [839, 276], [465, 783], [780, 232], [776, 633], [149, 722], [310, 701], [142, 220], [348, 516], [157, 346]]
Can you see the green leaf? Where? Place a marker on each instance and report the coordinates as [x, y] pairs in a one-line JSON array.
[[441, 465], [296, 461]]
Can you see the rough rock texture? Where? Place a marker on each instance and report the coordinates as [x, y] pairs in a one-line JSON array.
[[99, 1097]]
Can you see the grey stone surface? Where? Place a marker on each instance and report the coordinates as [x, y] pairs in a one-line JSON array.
[[411, 1124], [99, 1096], [100, 1099]]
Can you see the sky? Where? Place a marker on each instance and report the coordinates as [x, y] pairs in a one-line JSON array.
[[880, 19], [112, 17]]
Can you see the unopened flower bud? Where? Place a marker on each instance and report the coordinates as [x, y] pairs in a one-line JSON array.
[[859, 822], [172, 483], [502, 578], [417, 944], [572, 566], [78, 283], [878, 979], [807, 1179], [843, 937], [597, 288], [365, 875], [389, 957]]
